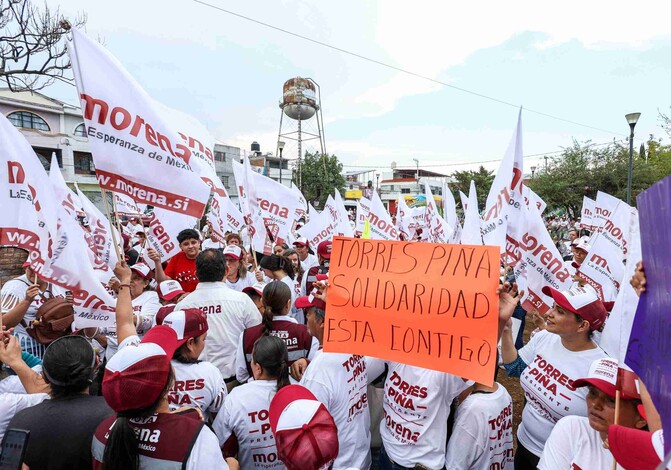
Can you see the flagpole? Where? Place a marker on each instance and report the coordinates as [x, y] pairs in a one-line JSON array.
[[107, 212], [617, 418]]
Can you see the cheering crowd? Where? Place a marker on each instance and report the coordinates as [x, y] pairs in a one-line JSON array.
[[216, 361]]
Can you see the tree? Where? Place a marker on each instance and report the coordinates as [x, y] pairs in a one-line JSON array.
[[320, 175], [584, 169], [483, 182], [32, 46]]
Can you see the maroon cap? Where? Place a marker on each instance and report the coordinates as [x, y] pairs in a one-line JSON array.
[[301, 241], [163, 312], [582, 301], [305, 433], [603, 374], [324, 249], [305, 302], [168, 290], [136, 376], [634, 449], [187, 323]]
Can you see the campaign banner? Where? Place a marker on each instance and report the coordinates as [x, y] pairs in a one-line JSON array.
[[530, 197], [649, 347], [320, 228], [381, 225], [404, 223], [68, 199], [439, 231], [429, 305], [587, 213], [335, 211], [137, 151], [250, 209], [505, 201], [604, 206], [100, 231], [471, 234], [362, 211]]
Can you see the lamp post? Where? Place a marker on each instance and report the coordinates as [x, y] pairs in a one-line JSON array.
[[280, 147], [632, 119], [377, 176], [533, 171]]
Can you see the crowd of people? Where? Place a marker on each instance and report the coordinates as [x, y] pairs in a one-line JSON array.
[[216, 361]]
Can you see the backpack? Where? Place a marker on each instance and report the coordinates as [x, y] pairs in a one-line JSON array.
[[53, 319]]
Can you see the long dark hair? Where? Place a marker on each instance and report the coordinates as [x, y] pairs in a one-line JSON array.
[[270, 352], [121, 451], [275, 298], [276, 263], [299, 275], [69, 365]]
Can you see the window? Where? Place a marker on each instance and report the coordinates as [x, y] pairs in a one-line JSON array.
[[391, 187], [219, 156], [84, 163], [405, 190], [224, 181], [80, 130], [28, 121], [44, 154]]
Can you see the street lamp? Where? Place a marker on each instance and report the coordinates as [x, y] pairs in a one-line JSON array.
[[280, 147], [632, 119], [533, 171], [377, 175], [417, 174]]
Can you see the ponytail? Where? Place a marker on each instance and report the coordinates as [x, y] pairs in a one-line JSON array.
[[271, 354], [275, 298], [121, 451], [276, 263]]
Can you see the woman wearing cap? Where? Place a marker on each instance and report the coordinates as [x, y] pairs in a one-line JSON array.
[[144, 300], [276, 322], [61, 428], [20, 299], [582, 443], [137, 382], [237, 276], [198, 384], [550, 363], [242, 423]]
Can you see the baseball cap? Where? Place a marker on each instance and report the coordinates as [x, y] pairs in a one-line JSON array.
[[168, 290], [306, 302], [234, 251], [649, 447], [301, 241], [187, 323], [25, 264], [583, 245], [324, 249], [582, 301], [136, 376], [163, 312], [305, 434], [258, 288], [142, 270], [603, 375]]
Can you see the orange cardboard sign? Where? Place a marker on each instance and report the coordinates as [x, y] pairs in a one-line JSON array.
[[424, 304]]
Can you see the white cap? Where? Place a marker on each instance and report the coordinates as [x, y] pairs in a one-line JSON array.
[[234, 251]]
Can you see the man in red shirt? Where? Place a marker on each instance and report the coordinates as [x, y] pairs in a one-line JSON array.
[[182, 266]]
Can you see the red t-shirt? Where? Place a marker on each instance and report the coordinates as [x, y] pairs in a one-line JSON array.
[[183, 270]]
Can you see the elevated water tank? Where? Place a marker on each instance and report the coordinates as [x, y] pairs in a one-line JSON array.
[[255, 147], [299, 98]]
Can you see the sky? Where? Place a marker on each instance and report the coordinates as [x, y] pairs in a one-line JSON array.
[[586, 62]]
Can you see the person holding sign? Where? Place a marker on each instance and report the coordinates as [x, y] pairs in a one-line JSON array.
[[579, 442], [550, 363]]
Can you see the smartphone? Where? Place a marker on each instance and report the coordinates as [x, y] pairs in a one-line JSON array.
[[13, 449]]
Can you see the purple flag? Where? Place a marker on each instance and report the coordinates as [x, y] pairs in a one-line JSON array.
[[649, 352]]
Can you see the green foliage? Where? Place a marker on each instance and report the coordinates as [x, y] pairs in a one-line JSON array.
[[583, 169], [321, 175], [483, 181]]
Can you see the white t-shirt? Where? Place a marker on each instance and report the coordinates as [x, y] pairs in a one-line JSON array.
[[310, 260], [245, 416], [482, 437], [14, 291], [228, 314], [291, 285], [12, 383], [12, 403], [548, 387], [205, 452], [209, 243], [198, 385], [416, 407], [574, 445], [242, 282], [340, 382], [145, 307]]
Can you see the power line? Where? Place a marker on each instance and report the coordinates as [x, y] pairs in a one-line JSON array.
[[535, 155], [399, 69]]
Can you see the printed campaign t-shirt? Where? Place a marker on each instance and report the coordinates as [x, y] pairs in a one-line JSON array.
[[548, 387], [482, 437], [416, 407], [244, 419], [574, 445], [242, 282], [144, 307], [198, 385], [340, 382], [183, 270]]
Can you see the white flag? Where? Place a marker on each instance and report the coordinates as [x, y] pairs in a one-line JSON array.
[[450, 213], [439, 231], [587, 213], [249, 205], [101, 231], [470, 234], [381, 225], [137, 150], [404, 222]]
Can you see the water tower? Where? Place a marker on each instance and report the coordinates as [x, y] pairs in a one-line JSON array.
[[303, 128]]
